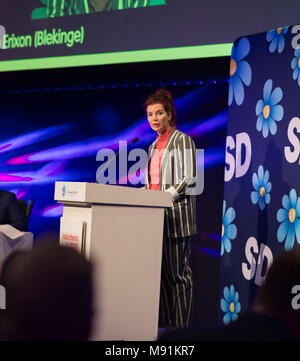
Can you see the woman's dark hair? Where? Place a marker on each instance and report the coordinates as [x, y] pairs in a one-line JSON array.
[[164, 97]]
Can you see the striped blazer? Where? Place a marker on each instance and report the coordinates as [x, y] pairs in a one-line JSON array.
[[178, 176]]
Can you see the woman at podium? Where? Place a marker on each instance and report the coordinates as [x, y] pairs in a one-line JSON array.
[[172, 168]]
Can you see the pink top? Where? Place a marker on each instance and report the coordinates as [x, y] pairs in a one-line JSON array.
[[154, 168]]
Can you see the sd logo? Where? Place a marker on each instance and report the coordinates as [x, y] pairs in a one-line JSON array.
[[235, 164]]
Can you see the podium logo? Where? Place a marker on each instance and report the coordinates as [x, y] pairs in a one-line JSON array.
[[63, 190], [2, 36], [175, 166]]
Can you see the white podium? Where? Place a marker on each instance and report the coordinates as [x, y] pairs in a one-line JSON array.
[[120, 229]]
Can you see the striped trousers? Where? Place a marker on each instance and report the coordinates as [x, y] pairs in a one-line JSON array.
[[176, 290]]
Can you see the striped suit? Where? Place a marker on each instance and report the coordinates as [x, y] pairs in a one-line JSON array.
[[177, 175]]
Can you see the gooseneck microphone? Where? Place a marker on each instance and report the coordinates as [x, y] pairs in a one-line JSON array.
[[112, 158], [134, 141]]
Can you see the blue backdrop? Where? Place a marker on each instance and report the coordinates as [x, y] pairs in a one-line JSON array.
[[261, 207]]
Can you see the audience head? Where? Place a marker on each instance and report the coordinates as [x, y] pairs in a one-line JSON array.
[[275, 295], [48, 293]]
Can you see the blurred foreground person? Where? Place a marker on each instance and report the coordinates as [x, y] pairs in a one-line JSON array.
[[48, 295], [275, 314]]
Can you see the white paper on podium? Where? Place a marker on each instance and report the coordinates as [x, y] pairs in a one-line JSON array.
[[10, 231]]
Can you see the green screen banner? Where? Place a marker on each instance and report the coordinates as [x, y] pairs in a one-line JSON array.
[[39, 34]]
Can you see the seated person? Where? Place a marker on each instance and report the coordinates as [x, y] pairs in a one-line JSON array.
[[10, 212]]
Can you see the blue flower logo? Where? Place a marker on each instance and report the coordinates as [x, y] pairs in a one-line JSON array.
[[295, 64], [229, 230], [230, 304], [262, 188], [276, 37], [240, 72], [289, 218], [268, 111]]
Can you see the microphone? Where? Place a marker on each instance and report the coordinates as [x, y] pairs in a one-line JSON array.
[[134, 141], [104, 168]]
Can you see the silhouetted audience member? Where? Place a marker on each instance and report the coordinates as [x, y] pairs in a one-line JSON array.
[[272, 316], [49, 294], [10, 212]]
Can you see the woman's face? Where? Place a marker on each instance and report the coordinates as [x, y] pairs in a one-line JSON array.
[[158, 118]]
